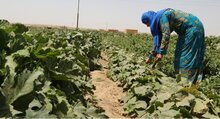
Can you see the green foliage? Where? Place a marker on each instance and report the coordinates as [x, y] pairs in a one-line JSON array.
[[160, 95], [45, 73], [19, 28], [140, 45]]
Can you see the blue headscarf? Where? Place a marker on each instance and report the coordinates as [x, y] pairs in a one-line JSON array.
[[153, 18]]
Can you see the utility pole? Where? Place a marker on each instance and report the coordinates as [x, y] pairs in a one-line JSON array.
[[77, 24]]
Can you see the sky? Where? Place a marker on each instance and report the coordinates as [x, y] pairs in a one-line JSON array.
[[105, 14]]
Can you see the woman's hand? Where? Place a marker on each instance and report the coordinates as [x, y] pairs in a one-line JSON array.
[[159, 56], [150, 58], [148, 61]]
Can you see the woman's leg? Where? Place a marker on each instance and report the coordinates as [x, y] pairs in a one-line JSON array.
[[189, 55]]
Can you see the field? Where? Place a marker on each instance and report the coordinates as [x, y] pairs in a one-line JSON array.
[[50, 73]]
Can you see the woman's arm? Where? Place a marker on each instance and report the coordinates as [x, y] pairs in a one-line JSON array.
[[160, 47], [165, 29]]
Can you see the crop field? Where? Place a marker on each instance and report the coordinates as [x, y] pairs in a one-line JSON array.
[[46, 73]]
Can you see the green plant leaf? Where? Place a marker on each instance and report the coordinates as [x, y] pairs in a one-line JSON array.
[[36, 110], [162, 96], [141, 105], [200, 107], [18, 93], [166, 106], [142, 90], [186, 101], [169, 113]]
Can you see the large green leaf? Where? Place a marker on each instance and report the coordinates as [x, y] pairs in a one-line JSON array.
[[185, 113], [186, 101], [166, 106], [130, 105], [19, 28], [4, 39], [18, 93], [46, 52], [200, 107], [4, 108], [18, 42], [127, 97], [163, 96], [169, 113], [142, 90], [210, 116], [36, 110], [96, 113], [141, 105]]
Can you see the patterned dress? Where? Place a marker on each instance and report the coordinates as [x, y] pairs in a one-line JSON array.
[[189, 52]]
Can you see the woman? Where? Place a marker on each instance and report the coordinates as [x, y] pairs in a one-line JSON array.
[[189, 52]]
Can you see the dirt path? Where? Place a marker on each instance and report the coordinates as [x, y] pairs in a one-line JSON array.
[[107, 92]]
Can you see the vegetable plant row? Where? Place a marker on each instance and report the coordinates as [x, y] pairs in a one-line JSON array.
[[44, 73], [151, 93]]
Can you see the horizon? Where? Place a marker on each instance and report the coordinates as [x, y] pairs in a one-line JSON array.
[[104, 14]]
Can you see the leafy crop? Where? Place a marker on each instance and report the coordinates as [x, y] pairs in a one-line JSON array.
[[137, 45], [151, 93], [45, 73]]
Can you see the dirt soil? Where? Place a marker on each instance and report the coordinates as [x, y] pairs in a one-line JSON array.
[[107, 92]]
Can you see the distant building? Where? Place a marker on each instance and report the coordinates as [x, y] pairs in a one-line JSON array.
[[131, 31], [101, 29], [113, 30]]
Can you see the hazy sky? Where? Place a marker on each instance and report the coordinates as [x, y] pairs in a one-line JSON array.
[[105, 14]]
